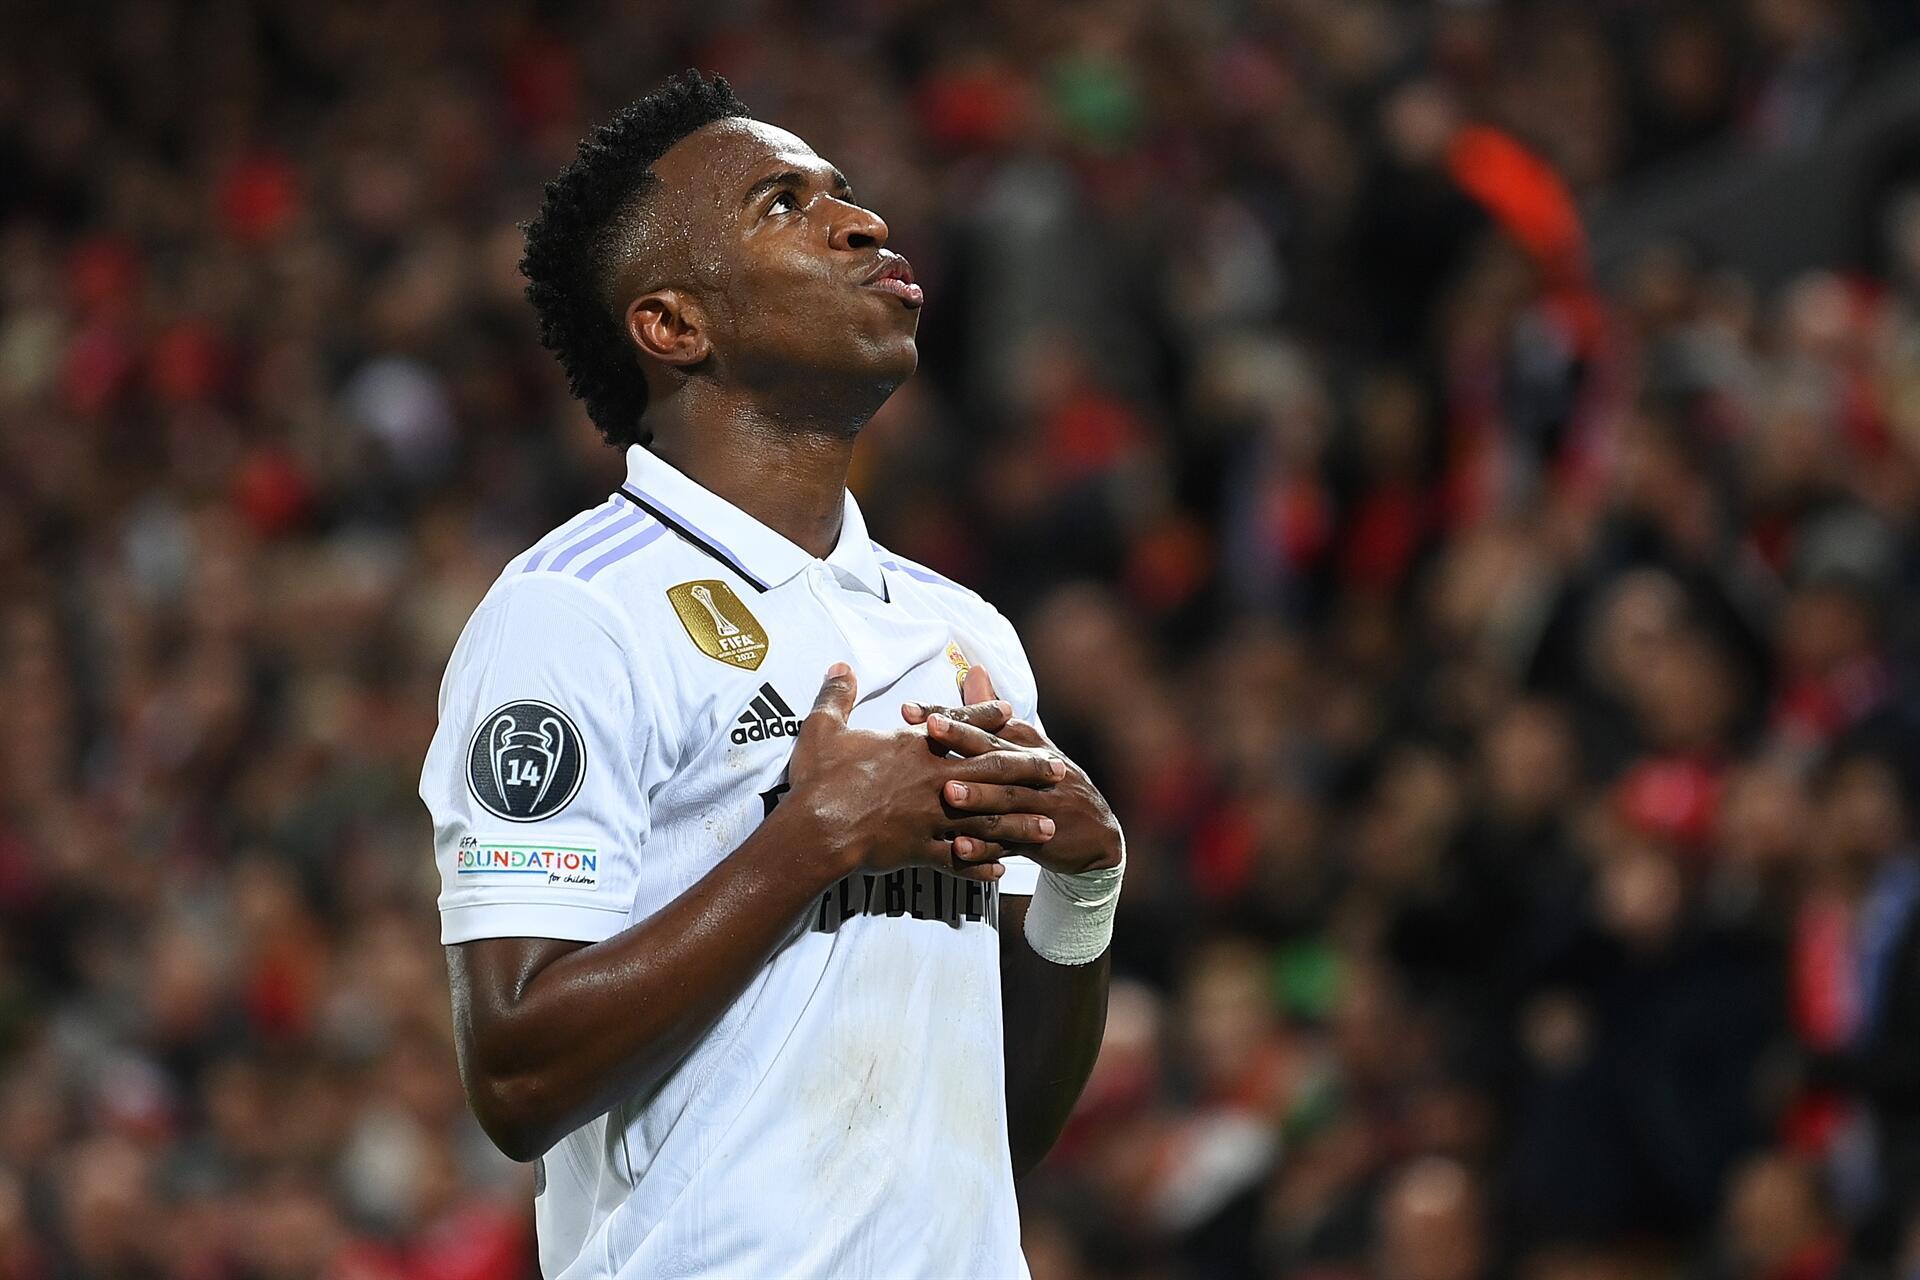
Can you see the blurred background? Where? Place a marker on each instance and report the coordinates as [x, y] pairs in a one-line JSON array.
[[1455, 467]]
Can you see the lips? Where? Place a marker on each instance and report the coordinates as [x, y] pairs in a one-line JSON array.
[[894, 274]]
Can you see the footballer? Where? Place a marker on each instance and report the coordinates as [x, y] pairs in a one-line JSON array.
[[777, 927]]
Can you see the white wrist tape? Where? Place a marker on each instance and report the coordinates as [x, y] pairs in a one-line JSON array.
[[1070, 919]]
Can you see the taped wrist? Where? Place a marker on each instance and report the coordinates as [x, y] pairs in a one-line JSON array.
[[1070, 919]]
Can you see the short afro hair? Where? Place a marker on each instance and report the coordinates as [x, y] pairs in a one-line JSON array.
[[573, 244]]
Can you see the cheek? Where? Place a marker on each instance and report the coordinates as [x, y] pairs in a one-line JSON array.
[[788, 274], [793, 301]]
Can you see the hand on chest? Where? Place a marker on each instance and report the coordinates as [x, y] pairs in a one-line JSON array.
[[752, 664]]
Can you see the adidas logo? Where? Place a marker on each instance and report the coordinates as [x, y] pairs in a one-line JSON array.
[[767, 716]]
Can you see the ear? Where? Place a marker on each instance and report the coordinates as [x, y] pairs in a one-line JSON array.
[[669, 326]]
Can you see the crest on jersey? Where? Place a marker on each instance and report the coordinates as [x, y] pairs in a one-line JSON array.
[[526, 761], [719, 624], [960, 665]]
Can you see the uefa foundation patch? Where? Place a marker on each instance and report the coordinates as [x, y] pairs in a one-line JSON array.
[[536, 865]]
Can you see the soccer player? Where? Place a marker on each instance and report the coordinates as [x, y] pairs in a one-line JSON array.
[[777, 933]]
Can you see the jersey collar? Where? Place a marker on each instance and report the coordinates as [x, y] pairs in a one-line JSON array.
[[764, 558]]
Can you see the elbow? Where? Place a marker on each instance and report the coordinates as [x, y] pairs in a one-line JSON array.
[[1028, 1147], [514, 1116], [1027, 1158], [521, 1145]]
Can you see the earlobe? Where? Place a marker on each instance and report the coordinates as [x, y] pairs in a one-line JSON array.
[[668, 326]]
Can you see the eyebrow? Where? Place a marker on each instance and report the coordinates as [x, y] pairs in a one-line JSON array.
[[794, 178]]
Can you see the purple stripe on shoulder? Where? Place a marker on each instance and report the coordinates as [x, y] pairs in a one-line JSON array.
[[653, 530], [607, 510], [921, 575], [572, 553]]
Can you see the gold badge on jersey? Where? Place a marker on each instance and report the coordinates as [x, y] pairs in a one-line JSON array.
[[960, 665], [719, 624]]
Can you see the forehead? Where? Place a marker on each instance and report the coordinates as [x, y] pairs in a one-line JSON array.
[[720, 160]]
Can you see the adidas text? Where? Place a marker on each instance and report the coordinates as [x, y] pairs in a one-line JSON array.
[[767, 716]]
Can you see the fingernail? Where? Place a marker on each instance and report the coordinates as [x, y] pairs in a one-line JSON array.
[[938, 722], [837, 670], [963, 847], [1046, 826], [958, 790], [1005, 708], [1058, 769]]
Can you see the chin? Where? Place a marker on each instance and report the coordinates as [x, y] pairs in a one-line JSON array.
[[878, 379], [888, 358], [905, 358]]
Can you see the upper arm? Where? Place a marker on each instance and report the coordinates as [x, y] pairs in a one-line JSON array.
[[538, 776], [487, 977]]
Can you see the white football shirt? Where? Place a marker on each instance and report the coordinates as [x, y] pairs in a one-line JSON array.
[[617, 718]]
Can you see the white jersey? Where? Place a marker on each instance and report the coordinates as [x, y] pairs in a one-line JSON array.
[[616, 719]]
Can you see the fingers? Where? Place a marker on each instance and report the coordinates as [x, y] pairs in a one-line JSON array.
[[988, 715], [978, 687], [984, 872], [969, 851], [977, 864], [971, 735], [1005, 828], [955, 735], [990, 797], [1021, 733], [1018, 767], [836, 696]]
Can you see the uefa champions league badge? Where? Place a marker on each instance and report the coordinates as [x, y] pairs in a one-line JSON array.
[[960, 666], [526, 761]]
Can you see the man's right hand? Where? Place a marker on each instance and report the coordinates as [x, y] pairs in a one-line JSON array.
[[876, 797]]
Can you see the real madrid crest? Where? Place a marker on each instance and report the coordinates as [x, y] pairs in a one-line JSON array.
[[719, 624], [960, 665]]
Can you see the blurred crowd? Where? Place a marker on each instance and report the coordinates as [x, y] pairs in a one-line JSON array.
[[1503, 676]]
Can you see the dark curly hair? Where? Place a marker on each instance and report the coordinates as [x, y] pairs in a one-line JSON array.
[[575, 244]]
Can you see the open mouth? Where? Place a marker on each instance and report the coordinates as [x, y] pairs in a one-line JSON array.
[[894, 275]]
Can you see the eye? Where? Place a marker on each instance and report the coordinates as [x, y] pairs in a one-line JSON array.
[[785, 198]]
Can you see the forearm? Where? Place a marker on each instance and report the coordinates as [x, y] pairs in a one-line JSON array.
[[586, 1026], [1055, 1017]]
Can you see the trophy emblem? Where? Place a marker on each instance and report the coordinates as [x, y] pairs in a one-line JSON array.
[[526, 761], [526, 757], [720, 624]]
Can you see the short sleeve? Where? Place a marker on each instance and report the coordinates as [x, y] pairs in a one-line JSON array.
[[537, 776]]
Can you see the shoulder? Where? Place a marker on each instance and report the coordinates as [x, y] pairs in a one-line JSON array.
[[599, 551], [971, 613], [564, 597], [939, 594], [935, 592], [608, 561], [895, 563]]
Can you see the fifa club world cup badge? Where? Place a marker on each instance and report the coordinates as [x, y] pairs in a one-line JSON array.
[[719, 624], [526, 761]]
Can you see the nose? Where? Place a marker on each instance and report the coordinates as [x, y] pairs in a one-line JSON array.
[[854, 227]]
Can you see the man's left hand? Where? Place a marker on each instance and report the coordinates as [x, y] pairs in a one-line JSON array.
[[1086, 836]]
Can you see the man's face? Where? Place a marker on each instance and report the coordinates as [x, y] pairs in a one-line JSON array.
[[789, 271]]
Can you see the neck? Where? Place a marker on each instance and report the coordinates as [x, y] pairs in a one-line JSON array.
[[787, 471]]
